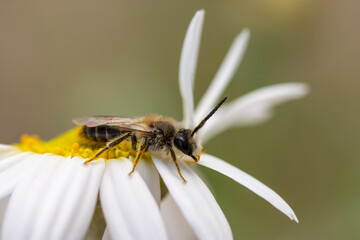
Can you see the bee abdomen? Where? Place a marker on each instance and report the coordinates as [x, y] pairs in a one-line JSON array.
[[100, 133]]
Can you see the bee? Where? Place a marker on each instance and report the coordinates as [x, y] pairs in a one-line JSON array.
[[159, 136]]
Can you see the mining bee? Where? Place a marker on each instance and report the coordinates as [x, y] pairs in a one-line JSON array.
[[157, 135]]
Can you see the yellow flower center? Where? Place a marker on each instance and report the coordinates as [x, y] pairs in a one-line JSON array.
[[72, 144]]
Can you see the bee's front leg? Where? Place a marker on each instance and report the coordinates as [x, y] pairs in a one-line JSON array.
[[173, 156]]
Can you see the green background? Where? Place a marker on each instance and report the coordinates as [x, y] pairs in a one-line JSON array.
[[67, 59]]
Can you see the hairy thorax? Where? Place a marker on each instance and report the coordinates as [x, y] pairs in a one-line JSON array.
[[165, 130]]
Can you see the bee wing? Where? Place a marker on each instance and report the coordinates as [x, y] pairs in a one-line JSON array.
[[129, 124]]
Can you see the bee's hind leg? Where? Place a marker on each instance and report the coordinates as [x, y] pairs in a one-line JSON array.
[[140, 151], [113, 142]]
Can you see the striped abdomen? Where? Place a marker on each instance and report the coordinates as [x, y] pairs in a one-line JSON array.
[[101, 133]]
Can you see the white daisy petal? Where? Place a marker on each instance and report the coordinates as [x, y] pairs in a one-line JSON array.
[[188, 62], [176, 225], [195, 201], [222, 78], [7, 151], [149, 174], [249, 182], [128, 206], [8, 160], [70, 201], [26, 200], [6, 147], [59, 202], [106, 235], [13, 169], [253, 108], [4, 158], [3, 205]]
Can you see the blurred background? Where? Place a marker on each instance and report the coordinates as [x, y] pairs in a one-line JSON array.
[[65, 59]]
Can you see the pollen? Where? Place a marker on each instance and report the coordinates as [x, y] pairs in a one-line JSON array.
[[29, 139], [75, 147], [71, 144]]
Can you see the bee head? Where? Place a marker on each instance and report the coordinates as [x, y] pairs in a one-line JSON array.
[[185, 140], [186, 143]]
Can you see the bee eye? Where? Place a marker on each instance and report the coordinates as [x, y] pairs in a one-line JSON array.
[[181, 142]]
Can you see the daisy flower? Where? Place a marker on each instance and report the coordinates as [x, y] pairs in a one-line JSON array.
[[47, 192]]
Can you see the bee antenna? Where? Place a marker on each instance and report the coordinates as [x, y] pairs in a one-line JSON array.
[[209, 116]]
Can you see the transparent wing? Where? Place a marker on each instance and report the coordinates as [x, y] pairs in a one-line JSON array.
[[130, 124]]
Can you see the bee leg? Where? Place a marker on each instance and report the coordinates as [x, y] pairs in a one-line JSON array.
[[140, 151], [133, 142], [195, 159], [173, 156], [113, 142]]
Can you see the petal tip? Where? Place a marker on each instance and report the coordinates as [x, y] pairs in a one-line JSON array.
[[298, 90], [305, 89], [200, 13], [245, 32], [294, 218]]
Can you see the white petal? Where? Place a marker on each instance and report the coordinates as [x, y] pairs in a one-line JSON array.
[[6, 157], [69, 203], [55, 202], [253, 108], [223, 76], [176, 225], [188, 62], [8, 160], [3, 205], [25, 201], [7, 147], [14, 168], [128, 206], [7, 150], [249, 182], [106, 235], [195, 201], [149, 174]]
